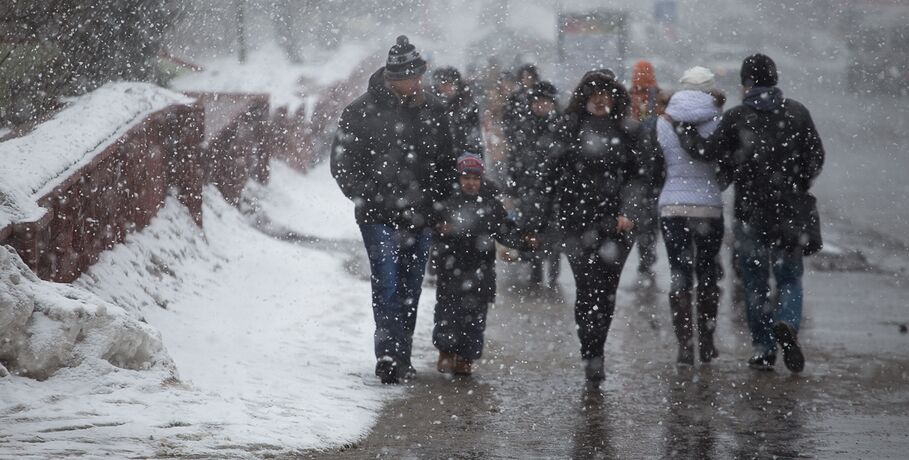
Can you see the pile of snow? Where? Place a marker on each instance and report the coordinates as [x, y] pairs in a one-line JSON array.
[[310, 205], [16, 206], [36, 163], [46, 326], [267, 70], [272, 355]]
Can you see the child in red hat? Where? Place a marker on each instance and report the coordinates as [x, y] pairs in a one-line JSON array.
[[471, 222]]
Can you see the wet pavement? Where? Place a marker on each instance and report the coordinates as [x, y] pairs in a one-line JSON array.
[[528, 399]]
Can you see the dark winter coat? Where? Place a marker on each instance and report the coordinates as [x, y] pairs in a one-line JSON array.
[[590, 180], [531, 161], [516, 124], [770, 149], [467, 251], [393, 160], [464, 118]]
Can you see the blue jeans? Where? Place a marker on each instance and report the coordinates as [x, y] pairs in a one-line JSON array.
[[758, 259], [397, 260]]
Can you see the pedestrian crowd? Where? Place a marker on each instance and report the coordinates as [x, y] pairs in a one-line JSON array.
[[459, 174]]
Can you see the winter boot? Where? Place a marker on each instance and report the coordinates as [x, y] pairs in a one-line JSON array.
[[446, 362], [387, 370], [594, 369], [680, 305], [789, 342], [463, 366], [708, 304]]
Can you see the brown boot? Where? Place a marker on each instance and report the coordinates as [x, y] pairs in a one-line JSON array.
[[446, 363], [708, 304], [680, 305], [463, 366]]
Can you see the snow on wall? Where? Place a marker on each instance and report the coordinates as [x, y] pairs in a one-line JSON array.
[[35, 163], [269, 71], [47, 326]]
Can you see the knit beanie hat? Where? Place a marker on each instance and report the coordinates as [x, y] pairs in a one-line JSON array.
[[698, 78], [759, 70], [643, 75], [471, 163], [404, 61]]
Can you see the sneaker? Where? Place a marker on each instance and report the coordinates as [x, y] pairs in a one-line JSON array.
[[762, 361], [463, 366], [446, 362], [789, 342], [594, 369], [387, 370]]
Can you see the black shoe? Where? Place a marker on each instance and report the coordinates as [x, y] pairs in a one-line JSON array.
[[594, 369], [762, 361], [686, 356], [387, 370], [789, 342]]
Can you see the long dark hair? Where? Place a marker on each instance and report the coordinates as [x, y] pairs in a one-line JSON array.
[[593, 82]]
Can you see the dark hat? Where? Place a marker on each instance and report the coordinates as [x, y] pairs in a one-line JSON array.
[[471, 163], [446, 75], [604, 72], [759, 70], [543, 89], [404, 61]]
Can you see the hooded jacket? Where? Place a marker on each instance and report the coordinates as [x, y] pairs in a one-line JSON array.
[[689, 181], [393, 160]]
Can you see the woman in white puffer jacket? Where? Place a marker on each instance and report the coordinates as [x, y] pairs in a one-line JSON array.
[[691, 214]]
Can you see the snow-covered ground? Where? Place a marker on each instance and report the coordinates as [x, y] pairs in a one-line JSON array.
[[271, 340], [307, 204]]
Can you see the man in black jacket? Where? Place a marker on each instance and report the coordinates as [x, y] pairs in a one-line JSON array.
[[393, 157], [769, 148], [463, 111]]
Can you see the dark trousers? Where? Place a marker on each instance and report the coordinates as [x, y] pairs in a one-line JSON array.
[[596, 263], [397, 260], [459, 326], [693, 247], [645, 235]]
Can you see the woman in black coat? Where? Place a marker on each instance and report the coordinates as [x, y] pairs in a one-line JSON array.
[[604, 153]]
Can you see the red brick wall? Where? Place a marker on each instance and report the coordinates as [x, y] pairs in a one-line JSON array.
[[223, 139], [118, 192]]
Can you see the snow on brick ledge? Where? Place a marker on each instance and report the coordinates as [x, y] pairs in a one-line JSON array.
[[36, 163], [47, 326]]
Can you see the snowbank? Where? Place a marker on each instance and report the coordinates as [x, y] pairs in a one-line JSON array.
[[35, 163], [272, 340], [268, 70], [46, 326], [310, 205]]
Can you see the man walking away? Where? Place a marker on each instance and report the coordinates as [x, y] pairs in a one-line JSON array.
[[393, 157], [770, 149]]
